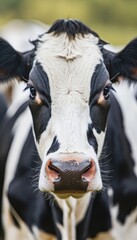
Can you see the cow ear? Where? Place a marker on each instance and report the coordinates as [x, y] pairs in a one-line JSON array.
[[14, 64], [125, 62]]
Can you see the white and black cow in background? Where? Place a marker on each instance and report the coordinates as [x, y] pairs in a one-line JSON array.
[[122, 140], [19, 33], [69, 101]]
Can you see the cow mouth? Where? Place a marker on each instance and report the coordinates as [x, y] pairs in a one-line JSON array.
[[67, 194]]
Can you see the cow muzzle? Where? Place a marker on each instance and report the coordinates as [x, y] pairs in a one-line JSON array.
[[71, 176]]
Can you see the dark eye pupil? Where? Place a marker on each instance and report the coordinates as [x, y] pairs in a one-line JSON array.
[[32, 92], [106, 92]]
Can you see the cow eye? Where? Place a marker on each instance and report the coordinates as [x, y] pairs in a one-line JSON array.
[[106, 92], [32, 92]]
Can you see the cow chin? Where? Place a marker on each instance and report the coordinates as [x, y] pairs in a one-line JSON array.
[[75, 194], [64, 195]]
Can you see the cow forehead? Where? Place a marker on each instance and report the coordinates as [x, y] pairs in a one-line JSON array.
[[62, 46], [69, 64]]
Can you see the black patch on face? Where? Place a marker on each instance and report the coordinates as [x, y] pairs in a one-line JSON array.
[[91, 138], [99, 115], [98, 112], [54, 147], [108, 57], [41, 113], [98, 81], [41, 82]]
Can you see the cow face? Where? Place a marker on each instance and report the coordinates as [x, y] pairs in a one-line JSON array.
[[69, 101]]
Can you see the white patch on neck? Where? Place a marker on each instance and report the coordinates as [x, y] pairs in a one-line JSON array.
[[74, 211], [125, 231]]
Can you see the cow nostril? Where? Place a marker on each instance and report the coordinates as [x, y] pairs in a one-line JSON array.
[[52, 172], [89, 172]]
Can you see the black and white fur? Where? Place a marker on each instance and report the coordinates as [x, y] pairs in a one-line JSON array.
[[75, 55]]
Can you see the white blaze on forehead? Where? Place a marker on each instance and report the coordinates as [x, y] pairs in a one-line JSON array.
[[69, 65]]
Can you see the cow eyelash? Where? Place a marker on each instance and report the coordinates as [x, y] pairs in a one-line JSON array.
[[33, 91], [106, 91]]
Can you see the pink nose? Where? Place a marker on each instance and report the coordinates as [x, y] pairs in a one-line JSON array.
[[70, 175]]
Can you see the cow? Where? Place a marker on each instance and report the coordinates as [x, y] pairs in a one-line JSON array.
[[51, 217], [19, 33], [122, 139], [70, 97]]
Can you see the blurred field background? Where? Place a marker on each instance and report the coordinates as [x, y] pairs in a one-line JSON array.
[[115, 21]]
